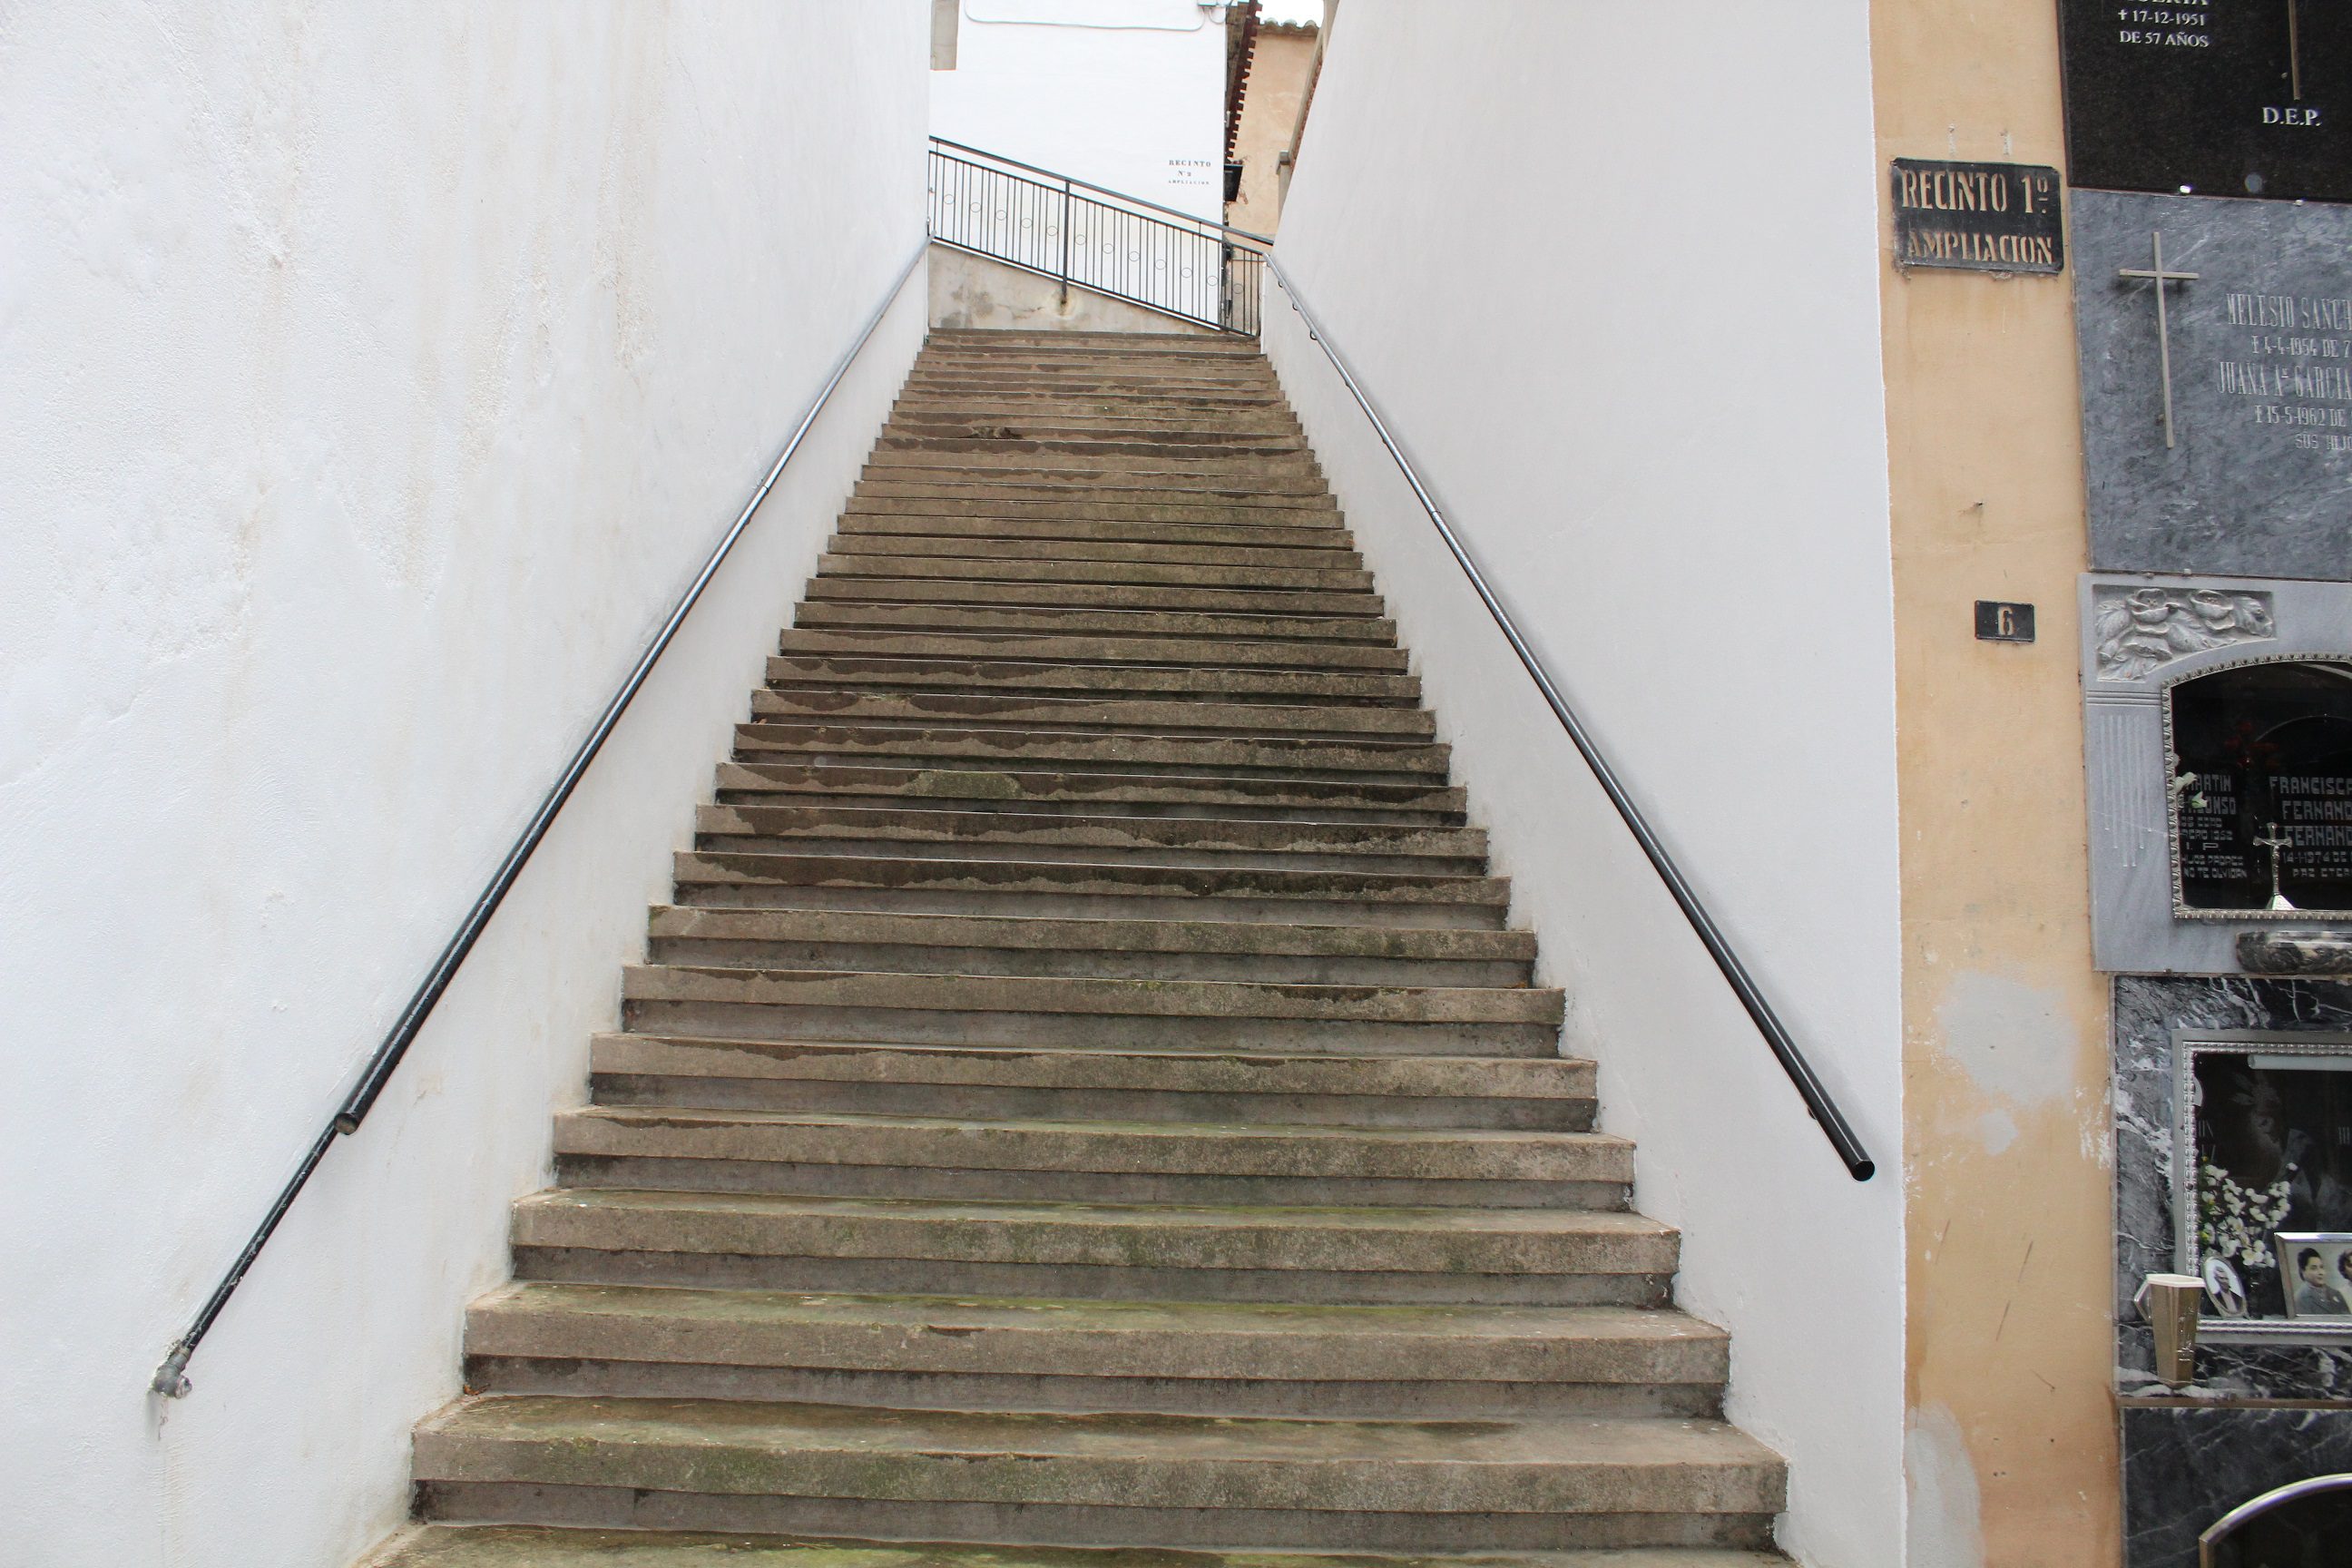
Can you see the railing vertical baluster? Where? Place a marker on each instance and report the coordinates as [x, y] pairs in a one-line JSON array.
[[1181, 264]]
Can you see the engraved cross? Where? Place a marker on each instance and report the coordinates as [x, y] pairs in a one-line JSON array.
[[2159, 277], [2295, 49]]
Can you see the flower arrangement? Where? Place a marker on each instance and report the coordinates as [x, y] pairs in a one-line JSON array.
[[2236, 1222]]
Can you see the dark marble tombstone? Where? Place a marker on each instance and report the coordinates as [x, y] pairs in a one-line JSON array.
[[2263, 818], [2217, 399], [2223, 98]]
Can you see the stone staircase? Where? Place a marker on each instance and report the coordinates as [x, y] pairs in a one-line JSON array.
[[1086, 1103]]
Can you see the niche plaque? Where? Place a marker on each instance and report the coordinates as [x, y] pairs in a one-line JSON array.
[[2223, 98], [2216, 343], [2218, 743]]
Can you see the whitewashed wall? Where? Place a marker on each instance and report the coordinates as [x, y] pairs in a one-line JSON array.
[[375, 377], [1129, 94], [1616, 290]]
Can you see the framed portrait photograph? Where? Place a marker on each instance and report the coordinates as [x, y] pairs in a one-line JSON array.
[[2317, 1267]]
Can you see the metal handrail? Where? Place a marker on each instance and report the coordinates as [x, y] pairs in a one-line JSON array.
[[1059, 178], [1817, 1097], [170, 1378]]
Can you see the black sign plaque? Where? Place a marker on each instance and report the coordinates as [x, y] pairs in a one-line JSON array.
[[2219, 98], [1983, 217], [2001, 622]]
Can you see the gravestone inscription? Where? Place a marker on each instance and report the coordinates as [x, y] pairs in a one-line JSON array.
[[2216, 341], [2225, 98]]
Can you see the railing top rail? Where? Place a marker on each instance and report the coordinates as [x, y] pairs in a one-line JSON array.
[[1058, 179], [1818, 1100]]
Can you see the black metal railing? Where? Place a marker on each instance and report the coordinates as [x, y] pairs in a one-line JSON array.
[[1087, 236], [170, 1378], [1809, 1086]]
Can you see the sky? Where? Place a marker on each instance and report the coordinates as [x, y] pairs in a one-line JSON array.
[[1292, 11]]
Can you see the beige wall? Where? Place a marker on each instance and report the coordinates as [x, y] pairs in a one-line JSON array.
[[1279, 66], [2011, 1447]]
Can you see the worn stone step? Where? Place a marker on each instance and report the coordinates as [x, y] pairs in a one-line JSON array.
[[529, 1546], [1121, 343], [1231, 571], [1166, 950], [1177, 1358], [1319, 514], [1218, 841], [1078, 749], [1040, 1008], [1043, 620], [1156, 381], [1032, 790], [1038, 679], [806, 1151], [1126, 890], [869, 546], [1136, 715], [1078, 420], [951, 521], [1472, 1257], [1115, 1479], [1003, 441], [1170, 478], [1133, 646], [1043, 592], [1547, 1092], [1052, 1011]]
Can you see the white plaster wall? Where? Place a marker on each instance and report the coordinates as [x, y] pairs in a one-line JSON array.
[[373, 379], [1129, 94], [1650, 396]]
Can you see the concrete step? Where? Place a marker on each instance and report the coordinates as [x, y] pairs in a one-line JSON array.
[[1136, 949], [1238, 508], [946, 885], [1077, 420], [1126, 345], [1152, 715], [982, 1082], [1463, 1256], [1077, 683], [1176, 1358], [1133, 646], [1038, 562], [945, 742], [967, 546], [1027, 790], [528, 1546], [1015, 534], [1077, 1010], [1044, 592], [870, 1155], [1195, 841], [1145, 383], [1102, 1480], [1047, 620], [1002, 440], [1174, 477]]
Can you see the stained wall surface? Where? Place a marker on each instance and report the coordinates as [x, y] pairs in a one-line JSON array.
[[1650, 396], [375, 377], [2010, 1448]]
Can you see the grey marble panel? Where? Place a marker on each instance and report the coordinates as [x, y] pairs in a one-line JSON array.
[[2258, 481], [2149, 1015], [2185, 1467]]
